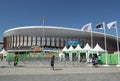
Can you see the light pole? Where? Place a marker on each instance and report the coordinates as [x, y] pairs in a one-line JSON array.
[[43, 36], [43, 32]]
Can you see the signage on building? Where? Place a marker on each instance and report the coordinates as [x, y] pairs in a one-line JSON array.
[[75, 43]]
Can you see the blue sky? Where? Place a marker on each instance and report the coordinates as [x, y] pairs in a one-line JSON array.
[[66, 13]]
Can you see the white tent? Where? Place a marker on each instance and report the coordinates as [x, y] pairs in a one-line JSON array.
[[71, 48], [61, 56], [87, 47], [78, 48], [3, 52], [65, 49], [98, 48]]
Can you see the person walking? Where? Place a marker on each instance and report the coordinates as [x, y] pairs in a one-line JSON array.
[[52, 62], [15, 60]]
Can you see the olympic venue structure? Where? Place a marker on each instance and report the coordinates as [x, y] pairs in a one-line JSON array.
[[25, 38], [1, 45]]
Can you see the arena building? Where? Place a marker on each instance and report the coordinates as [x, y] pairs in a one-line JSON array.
[[25, 38], [1, 45]]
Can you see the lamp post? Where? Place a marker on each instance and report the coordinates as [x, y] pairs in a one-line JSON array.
[[43, 33], [43, 36]]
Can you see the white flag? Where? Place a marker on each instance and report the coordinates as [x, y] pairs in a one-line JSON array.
[[87, 27], [112, 24]]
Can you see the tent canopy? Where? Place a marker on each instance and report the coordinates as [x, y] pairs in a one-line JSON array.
[[71, 48], [87, 47], [4, 52], [98, 48], [65, 49], [78, 48]]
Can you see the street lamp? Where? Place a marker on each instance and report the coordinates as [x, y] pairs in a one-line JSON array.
[[43, 37]]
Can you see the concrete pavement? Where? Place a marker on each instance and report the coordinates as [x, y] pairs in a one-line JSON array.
[[35, 71], [41, 68], [70, 72]]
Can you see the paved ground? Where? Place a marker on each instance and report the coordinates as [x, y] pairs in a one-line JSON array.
[[64, 77], [41, 72]]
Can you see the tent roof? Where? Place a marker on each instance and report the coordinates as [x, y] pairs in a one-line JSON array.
[[78, 48], [65, 49], [87, 47], [3, 51], [71, 48], [98, 48]]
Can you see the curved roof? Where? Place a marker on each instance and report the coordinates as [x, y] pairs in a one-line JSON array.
[[53, 31]]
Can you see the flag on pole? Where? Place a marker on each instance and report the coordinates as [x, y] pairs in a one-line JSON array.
[[112, 25], [87, 27], [99, 26]]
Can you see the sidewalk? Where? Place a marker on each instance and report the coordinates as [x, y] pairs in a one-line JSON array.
[[41, 71], [35, 71], [44, 64], [23, 69]]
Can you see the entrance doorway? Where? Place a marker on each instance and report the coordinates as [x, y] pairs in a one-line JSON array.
[[82, 57], [66, 56], [74, 57]]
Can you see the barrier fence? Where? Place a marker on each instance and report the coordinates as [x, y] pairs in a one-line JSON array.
[[45, 59]]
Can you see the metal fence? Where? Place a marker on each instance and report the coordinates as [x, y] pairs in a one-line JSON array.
[[36, 60]]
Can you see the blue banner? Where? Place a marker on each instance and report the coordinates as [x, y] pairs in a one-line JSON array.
[[74, 43]]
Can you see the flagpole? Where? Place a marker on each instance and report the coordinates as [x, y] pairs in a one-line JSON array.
[[43, 36], [88, 27], [117, 44], [106, 64], [91, 37]]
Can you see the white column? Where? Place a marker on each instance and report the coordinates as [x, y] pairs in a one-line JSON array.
[[70, 56], [78, 56], [87, 56]]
